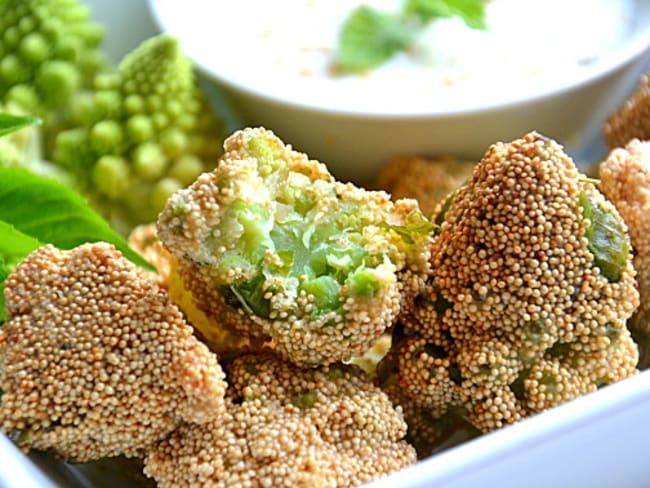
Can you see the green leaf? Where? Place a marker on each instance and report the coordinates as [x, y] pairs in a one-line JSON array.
[[471, 11], [370, 37], [52, 213], [14, 246], [10, 123]]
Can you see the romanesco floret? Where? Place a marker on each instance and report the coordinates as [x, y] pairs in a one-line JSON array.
[[145, 131], [48, 51], [270, 243], [625, 180], [95, 360], [286, 426], [531, 286]]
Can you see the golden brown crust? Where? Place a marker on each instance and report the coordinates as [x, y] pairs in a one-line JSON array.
[[144, 240], [632, 119], [97, 361], [516, 308], [625, 179], [288, 427], [427, 180]]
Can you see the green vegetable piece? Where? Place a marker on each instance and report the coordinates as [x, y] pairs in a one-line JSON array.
[[364, 283], [51, 213], [416, 229], [301, 257], [471, 11], [370, 37], [325, 290], [304, 400], [250, 294], [111, 175], [10, 123], [518, 386], [335, 373], [608, 241], [106, 135], [49, 47], [162, 190], [149, 118], [559, 349]]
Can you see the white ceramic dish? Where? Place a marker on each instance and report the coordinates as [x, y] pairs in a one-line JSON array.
[[599, 440], [356, 140]]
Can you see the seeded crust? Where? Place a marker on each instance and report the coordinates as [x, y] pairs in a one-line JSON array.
[[287, 426], [632, 119], [95, 359], [625, 179], [516, 317], [298, 334], [144, 240], [428, 180]]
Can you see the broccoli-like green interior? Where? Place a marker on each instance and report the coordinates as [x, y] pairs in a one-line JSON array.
[[290, 242], [608, 240]]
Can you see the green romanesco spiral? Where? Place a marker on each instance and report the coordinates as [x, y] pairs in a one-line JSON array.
[[48, 51], [145, 131]]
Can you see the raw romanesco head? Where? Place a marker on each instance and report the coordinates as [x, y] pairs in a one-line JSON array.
[[144, 132], [48, 51]]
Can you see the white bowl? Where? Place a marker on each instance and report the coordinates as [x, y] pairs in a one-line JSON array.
[[354, 138]]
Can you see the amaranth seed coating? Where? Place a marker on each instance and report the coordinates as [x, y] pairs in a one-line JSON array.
[[95, 361]]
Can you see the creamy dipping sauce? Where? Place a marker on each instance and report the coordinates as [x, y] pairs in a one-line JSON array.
[[286, 48]]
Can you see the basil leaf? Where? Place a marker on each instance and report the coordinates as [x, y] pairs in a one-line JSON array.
[[10, 123], [14, 246], [52, 213], [370, 37]]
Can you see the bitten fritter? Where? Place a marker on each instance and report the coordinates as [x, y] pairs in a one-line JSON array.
[[273, 246], [95, 360]]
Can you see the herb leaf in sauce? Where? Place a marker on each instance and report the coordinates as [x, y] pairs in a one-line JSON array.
[[370, 37], [472, 12]]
